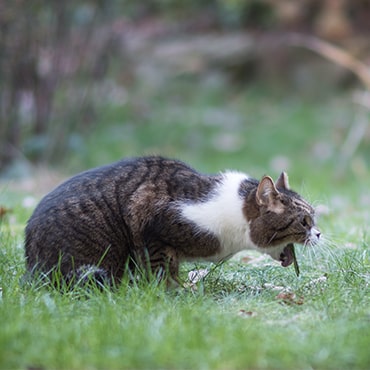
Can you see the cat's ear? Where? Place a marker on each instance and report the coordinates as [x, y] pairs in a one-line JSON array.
[[283, 181], [266, 192]]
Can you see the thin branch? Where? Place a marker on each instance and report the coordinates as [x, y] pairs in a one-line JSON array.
[[333, 53]]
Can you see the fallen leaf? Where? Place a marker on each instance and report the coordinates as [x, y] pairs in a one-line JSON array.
[[196, 275], [4, 211], [247, 259], [289, 298], [245, 314]]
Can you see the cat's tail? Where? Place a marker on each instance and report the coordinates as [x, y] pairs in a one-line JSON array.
[[85, 276], [89, 275]]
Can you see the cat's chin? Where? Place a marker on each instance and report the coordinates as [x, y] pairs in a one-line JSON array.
[[282, 253]]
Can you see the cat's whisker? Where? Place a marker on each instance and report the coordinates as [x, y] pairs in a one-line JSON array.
[[272, 238], [323, 251]]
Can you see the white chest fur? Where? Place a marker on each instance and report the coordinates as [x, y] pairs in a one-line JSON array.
[[222, 215]]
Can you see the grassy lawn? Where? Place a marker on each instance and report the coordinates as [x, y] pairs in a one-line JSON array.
[[248, 313]]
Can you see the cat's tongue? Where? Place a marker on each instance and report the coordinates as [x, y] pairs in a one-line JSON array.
[[287, 257]]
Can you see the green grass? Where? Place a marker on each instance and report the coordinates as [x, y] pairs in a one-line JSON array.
[[242, 315], [324, 326]]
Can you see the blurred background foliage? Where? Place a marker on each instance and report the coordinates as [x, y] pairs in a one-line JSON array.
[[84, 83]]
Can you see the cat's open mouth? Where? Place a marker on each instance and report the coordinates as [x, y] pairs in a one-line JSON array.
[[287, 257]]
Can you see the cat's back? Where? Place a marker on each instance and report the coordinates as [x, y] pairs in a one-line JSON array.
[[114, 185], [85, 185]]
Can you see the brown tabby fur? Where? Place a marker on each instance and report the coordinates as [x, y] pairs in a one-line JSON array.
[[128, 214]]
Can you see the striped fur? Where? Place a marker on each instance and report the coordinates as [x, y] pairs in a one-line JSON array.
[[151, 213]]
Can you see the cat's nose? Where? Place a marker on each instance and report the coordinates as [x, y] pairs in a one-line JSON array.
[[315, 233]]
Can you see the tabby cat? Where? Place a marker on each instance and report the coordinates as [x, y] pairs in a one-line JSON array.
[[153, 213]]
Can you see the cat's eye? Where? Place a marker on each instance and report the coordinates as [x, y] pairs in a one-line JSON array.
[[306, 221]]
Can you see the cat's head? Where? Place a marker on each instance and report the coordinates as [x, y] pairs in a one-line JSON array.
[[277, 217]]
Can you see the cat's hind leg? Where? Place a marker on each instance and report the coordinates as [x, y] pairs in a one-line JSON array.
[[161, 262]]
